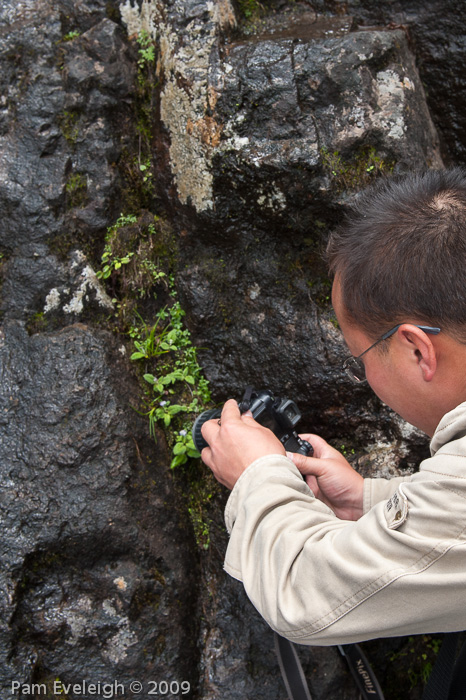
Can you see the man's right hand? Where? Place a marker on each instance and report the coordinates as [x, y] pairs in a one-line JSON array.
[[331, 478]]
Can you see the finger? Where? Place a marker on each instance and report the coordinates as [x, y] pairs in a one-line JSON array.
[[209, 429], [311, 481], [206, 456], [230, 411], [307, 465], [249, 419], [247, 414]]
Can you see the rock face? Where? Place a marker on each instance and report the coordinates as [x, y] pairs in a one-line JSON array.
[[436, 34], [258, 143], [92, 580], [287, 125], [98, 573]]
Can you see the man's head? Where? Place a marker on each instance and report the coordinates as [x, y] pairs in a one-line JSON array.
[[402, 254], [401, 259]]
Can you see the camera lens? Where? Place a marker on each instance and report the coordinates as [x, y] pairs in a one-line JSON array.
[[198, 440]]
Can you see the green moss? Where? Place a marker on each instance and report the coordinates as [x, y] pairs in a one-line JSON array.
[[113, 12], [412, 662], [137, 264], [357, 172], [250, 9], [76, 190], [203, 492], [38, 323], [68, 122], [138, 267]]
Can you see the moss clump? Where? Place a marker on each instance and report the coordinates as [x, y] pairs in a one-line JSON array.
[[137, 264], [357, 172], [139, 254], [76, 190], [68, 122], [250, 9], [204, 490], [138, 267], [38, 323]]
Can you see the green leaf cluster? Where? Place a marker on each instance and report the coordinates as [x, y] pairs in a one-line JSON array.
[[146, 50], [179, 391], [111, 263], [176, 388]]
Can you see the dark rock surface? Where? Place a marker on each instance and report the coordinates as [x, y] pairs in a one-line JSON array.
[[258, 143], [99, 571], [436, 33]]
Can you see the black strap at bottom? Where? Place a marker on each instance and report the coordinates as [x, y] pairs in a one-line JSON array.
[[295, 681], [448, 678], [446, 682], [292, 671]]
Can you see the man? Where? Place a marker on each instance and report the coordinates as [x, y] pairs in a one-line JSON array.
[[336, 558]]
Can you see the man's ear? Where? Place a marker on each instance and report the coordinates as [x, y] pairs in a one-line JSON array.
[[420, 344]]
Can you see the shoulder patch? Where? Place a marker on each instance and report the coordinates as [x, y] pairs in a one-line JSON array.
[[396, 509]]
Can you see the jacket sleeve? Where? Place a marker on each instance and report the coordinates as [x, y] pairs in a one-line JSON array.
[[320, 580], [376, 490]]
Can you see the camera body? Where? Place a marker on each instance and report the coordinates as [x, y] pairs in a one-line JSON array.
[[279, 415]]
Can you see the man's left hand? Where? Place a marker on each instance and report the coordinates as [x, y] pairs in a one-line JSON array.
[[235, 441]]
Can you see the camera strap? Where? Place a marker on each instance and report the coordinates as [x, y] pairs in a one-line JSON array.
[[295, 681], [448, 678], [245, 404]]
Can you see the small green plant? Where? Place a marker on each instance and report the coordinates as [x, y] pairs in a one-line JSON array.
[[146, 50], [111, 261], [71, 35], [146, 170], [418, 656], [179, 389], [250, 9]]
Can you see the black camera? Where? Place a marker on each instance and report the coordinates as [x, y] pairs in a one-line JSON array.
[[279, 415]]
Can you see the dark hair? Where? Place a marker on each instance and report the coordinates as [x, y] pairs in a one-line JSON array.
[[401, 254]]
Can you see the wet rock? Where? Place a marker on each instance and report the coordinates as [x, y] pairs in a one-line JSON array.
[[303, 122], [258, 142], [261, 142], [98, 576], [97, 580], [436, 33]]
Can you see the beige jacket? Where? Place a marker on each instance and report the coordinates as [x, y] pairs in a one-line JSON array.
[[400, 569]]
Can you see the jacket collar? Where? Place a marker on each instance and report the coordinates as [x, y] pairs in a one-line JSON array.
[[451, 427]]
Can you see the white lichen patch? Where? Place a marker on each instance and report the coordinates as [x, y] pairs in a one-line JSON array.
[[145, 19], [52, 300], [186, 98], [78, 616], [254, 291], [275, 199], [116, 647], [391, 99], [84, 287], [89, 286]]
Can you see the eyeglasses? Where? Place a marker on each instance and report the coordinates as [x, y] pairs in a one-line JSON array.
[[354, 366]]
